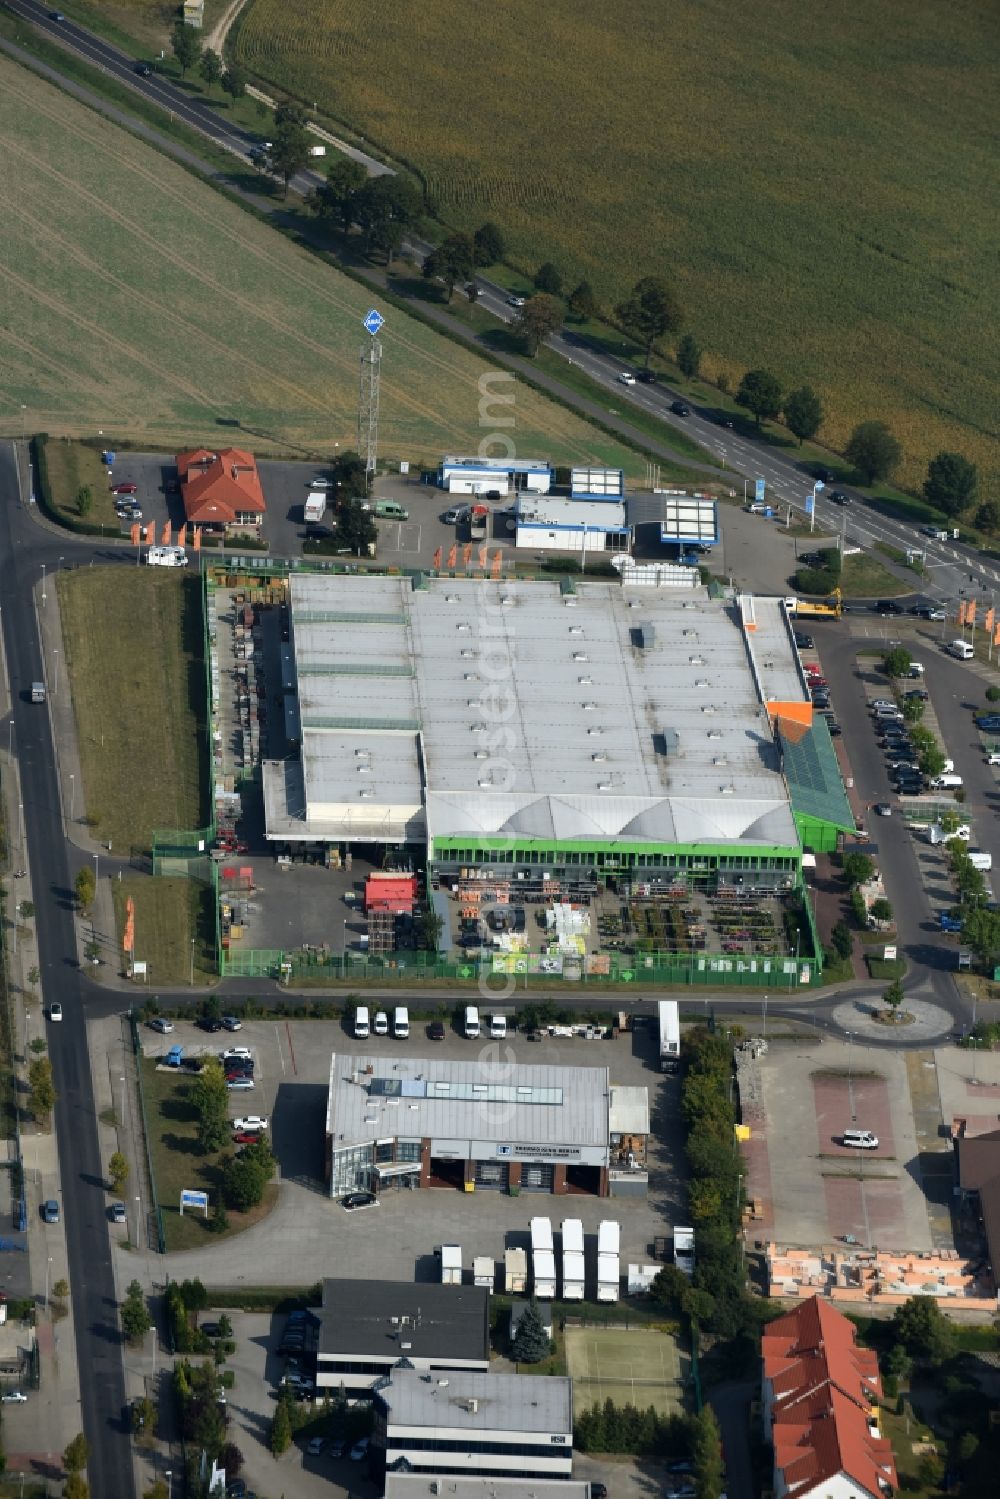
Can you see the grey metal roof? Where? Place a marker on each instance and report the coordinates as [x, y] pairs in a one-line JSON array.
[[503, 1402], [426, 1486], [629, 1111], [414, 1097], [443, 1322], [603, 738], [774, 656]]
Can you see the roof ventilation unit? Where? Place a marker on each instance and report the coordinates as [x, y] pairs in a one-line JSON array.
[[715, 733], [593, 732], [570, 602], [604, 786], [464, 627], [482, 754], [576, 629], [585, 681], [599, 757], [451, 598], [468, 655], [366, 791], [477, 728], [507, 599], [701, 682], [729, 790], [647, 637], [696, 660], [589, 707], [485, 785]]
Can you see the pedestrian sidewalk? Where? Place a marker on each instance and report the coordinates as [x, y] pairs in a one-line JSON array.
[[133, 1248]]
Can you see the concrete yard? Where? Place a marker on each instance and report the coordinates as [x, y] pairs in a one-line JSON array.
[[396, 1240], [818, 1190]]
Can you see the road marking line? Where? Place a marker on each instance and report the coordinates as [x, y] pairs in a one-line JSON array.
[[291, 1048]]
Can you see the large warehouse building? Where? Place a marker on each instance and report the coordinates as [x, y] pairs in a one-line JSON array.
[[437, 1123], [552, 732]]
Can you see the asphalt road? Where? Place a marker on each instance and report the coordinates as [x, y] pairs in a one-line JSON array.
[[953, 569], [98, 1340]]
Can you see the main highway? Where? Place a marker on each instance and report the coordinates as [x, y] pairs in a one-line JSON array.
[[23, 549]]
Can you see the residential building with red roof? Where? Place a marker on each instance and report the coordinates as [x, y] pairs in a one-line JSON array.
[[819, 1394], [221, 490]]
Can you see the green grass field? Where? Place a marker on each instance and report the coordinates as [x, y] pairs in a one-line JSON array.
[[141, 303], [177, 1163], [169, 913], [638, 1366], [132, 644], [817, 180]]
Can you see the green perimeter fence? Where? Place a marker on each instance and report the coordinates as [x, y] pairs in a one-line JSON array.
[[698, 969]]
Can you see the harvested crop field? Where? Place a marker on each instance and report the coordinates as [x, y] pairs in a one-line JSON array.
[[819, 180], [139, 302]]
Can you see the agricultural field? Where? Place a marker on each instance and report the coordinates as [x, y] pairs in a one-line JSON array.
[[818, 180], [140, 303]]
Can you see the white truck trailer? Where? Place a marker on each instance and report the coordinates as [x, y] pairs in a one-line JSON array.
[[515, 1271], [572, 1259], [609, 1273], [541, 1234], [451, 1264], [314, 508], [543, 1270], [483, 1270], [684, 1249], [668, 1016]]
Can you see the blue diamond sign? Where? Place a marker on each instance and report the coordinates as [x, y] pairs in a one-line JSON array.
[[373, 320]]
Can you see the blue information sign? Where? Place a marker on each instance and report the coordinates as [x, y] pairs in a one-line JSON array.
[[373, 320]]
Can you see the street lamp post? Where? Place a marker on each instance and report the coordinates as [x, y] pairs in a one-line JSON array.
[[48, 1270], [170, 1483], [121, 1117], [138, 1221], [192, 962], [43, 582], [72, 797], [765, 1018]]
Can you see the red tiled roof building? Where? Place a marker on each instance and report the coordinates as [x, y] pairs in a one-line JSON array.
[[819, 1395], [220, 489]]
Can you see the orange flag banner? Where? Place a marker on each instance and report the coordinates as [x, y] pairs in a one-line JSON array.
[[197, 538], [970, 612], [482, 556], [990, 619], [136, 533], [996, 635], [182, 535], [961, 613], [165, 535], [150, 535], [453, 555], [497, 561], [467, 554], [437, 560]]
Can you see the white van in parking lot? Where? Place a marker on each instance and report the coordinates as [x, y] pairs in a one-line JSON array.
[[498, 1027], [860, 1139], [401, 1023], [471, 1023], [362, 1025]]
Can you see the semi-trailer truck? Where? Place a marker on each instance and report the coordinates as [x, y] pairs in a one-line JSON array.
[[572, 1257], [668, 1015]]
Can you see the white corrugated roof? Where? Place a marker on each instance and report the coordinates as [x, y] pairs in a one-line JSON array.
[[538, 712]]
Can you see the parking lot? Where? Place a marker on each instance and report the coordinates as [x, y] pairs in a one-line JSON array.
[[819, 1190]]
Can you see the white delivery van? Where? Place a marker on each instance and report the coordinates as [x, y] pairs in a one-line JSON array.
[[362, 1027], [471, 1022], [401, 1023], [946, 783], [381, 1023], [498, 1027], [859, 1139], [960, 648], [980, 860]]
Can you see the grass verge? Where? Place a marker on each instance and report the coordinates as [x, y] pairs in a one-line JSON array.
[[864, 577], [173, 924], [132, 642], [71, 466], [173, 1149]]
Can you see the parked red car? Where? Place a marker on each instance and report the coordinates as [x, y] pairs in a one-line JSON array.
[[125, 489]]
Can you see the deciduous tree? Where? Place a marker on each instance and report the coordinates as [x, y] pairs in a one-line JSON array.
[[136, 1320], [540, 316], [289, 151], [651, 311], [118, 1171], [873, 451], [893, 997], [803, 412], [706, 1455], [858, 868], [548, 279], [281, 1429], [760, 393], [688, 356], [84, 500], [988, 516], [76, 1454], [234, 81], [185, 43], [582, 302], [951, 481], [41, 1089], [386, 207], [450, 262], [488, 244], [85, 887], [210, 67], [897, 662], [336, 198]]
